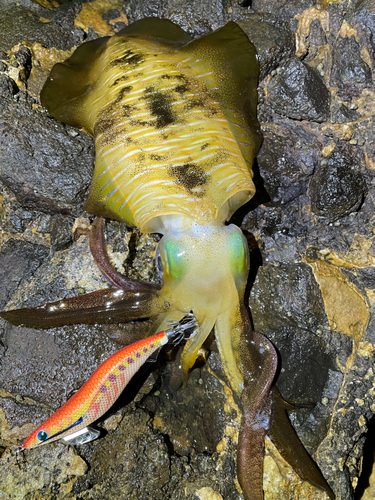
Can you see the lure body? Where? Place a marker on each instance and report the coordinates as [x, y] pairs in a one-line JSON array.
[[98, 394]]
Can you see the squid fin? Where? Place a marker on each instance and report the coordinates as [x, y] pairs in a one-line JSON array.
[[235, 69], [69, 83], [161, 31]]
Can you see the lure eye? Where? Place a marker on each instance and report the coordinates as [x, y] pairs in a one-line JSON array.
[[42, 435]]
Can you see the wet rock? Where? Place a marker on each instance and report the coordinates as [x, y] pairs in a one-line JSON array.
[[169, 415], [338, 187], [36, 356], [349, 73], [342, 114], [286, 161], [23, 58], [18, 260], [52, 473], [284, 9], [8, 87], [272, 38], [294, 296], [298, 92], [317, 35], [32, 145], [61, 232], [142, 262], [18, 23], [194, 16], [363, 11]]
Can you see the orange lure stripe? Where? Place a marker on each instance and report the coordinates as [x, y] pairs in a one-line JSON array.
[[98, 394]]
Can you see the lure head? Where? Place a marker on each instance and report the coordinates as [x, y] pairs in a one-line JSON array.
[[36, 438], [57, 426], [205, 270]]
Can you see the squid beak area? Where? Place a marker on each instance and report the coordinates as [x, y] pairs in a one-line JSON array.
[[103, 306]]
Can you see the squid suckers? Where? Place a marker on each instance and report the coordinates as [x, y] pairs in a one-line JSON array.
[[174, 120]]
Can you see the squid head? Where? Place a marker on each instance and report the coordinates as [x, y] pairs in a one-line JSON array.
[[205, 270]]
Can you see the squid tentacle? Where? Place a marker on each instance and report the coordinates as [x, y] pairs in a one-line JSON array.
[[100, 254], [264, 413], [103, 306], [259, 363], [290, 447]]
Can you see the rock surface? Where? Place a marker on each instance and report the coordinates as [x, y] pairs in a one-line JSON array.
[[311, 232]]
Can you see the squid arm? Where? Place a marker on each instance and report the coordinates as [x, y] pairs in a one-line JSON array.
[[130, 300], [265, 413]]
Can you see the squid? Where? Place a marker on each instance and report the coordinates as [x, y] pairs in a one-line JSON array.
[[175, 130]]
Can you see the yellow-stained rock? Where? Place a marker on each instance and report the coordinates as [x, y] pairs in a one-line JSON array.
[[358, 255], [280, 482], [43, 60], [317, 12], [208, 493], [91, 16], [346, 308]]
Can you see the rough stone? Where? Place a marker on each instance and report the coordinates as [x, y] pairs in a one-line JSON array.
[[298, 92], [61, 232], [350, 73], [31, 142], [286, 9], [8, 87], [272, 38], [19, 23], [18, 260], [338, 187], [193, 16], [287, 160]]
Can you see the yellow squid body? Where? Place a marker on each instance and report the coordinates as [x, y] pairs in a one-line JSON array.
[[175, 133]]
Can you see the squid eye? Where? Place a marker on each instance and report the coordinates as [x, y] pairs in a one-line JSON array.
[[159, 262], [42, 435]]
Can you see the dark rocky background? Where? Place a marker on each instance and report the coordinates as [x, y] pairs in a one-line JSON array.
[[311, 228]]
